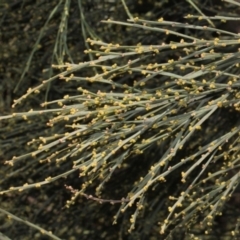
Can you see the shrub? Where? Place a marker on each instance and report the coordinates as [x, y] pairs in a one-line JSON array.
[[147, 123]]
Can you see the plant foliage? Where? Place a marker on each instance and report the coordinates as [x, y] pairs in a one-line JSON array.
[[147, 121]]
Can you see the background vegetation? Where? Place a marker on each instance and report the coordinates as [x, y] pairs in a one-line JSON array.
[[119, 119]]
